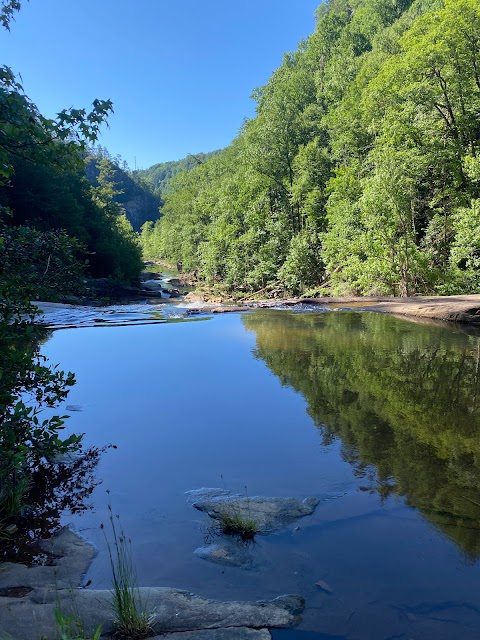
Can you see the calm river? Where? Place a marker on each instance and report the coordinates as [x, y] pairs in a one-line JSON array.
[[377, 416]]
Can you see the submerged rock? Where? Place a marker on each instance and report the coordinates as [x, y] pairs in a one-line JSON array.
[[269, 514], [324, 586], [196, 495], [229, 553], [74, 407]]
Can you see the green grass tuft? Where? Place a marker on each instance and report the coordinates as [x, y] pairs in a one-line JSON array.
[[69, 627], [132, 619], [234, 523]]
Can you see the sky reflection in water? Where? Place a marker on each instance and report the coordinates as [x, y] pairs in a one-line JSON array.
[[378, 414]]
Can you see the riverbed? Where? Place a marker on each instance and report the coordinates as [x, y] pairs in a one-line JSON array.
[[377, 417]]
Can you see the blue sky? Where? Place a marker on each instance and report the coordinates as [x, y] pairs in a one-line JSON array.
[[180, 72]]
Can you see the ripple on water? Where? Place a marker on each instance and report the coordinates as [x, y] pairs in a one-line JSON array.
[[62, 316]]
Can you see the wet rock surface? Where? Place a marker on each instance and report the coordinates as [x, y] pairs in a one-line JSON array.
[[152, 285], [269, 514], [230, 633], [150, 275], [460, 308], [29, 597], [231, 553], [70, 556]]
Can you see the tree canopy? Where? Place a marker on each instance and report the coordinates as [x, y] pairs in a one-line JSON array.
[[359, 172]]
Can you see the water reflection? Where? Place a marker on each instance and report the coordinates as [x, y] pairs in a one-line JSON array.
[[56, 489], [37, 487], [404, 399]]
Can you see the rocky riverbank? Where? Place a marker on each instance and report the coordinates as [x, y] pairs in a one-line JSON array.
[[455, 309], [463, 309], [30, 596]]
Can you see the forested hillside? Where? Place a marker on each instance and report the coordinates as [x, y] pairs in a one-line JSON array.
[[58, 226], [133, 193], [159, 176], [359, 173]]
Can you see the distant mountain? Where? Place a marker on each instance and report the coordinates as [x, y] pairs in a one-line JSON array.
[[135, 195], [160, 175]]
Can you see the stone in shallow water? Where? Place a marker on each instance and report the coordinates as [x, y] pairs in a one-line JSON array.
[[152, 285], [269, 514], [229, 553], [181, 611]]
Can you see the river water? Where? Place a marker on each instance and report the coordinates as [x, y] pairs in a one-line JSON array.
[[377, 416]]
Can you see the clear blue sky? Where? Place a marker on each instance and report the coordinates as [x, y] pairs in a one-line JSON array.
[[180, 72]]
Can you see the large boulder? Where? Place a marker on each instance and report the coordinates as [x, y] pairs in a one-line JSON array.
[[152, 285]]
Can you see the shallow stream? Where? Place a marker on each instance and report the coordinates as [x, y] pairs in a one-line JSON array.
[[377, 416]]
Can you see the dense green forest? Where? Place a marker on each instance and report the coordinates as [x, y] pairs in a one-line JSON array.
[[46, 190], [56, 228], [359, 172], [45, 193], [411, 431], [159, 176], [133, 193]]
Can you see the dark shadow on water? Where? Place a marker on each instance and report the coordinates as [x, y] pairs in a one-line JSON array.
[[57, 489], [296, 634]]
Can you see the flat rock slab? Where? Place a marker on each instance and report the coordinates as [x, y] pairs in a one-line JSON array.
[[71, 556], [461, 308], [219, 634], [29, 597], [269, 514], [175, 612]]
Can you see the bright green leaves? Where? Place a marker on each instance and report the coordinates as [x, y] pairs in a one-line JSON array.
[[359, 169], [419, 110], [26, 134]]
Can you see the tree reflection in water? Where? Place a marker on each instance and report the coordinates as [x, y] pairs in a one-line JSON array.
[[57, 488], [403, 399]]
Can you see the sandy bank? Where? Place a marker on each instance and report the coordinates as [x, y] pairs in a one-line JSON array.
[[464, 308]]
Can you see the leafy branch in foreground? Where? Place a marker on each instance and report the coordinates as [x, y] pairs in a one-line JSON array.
[[8, 9], [28, 385]]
